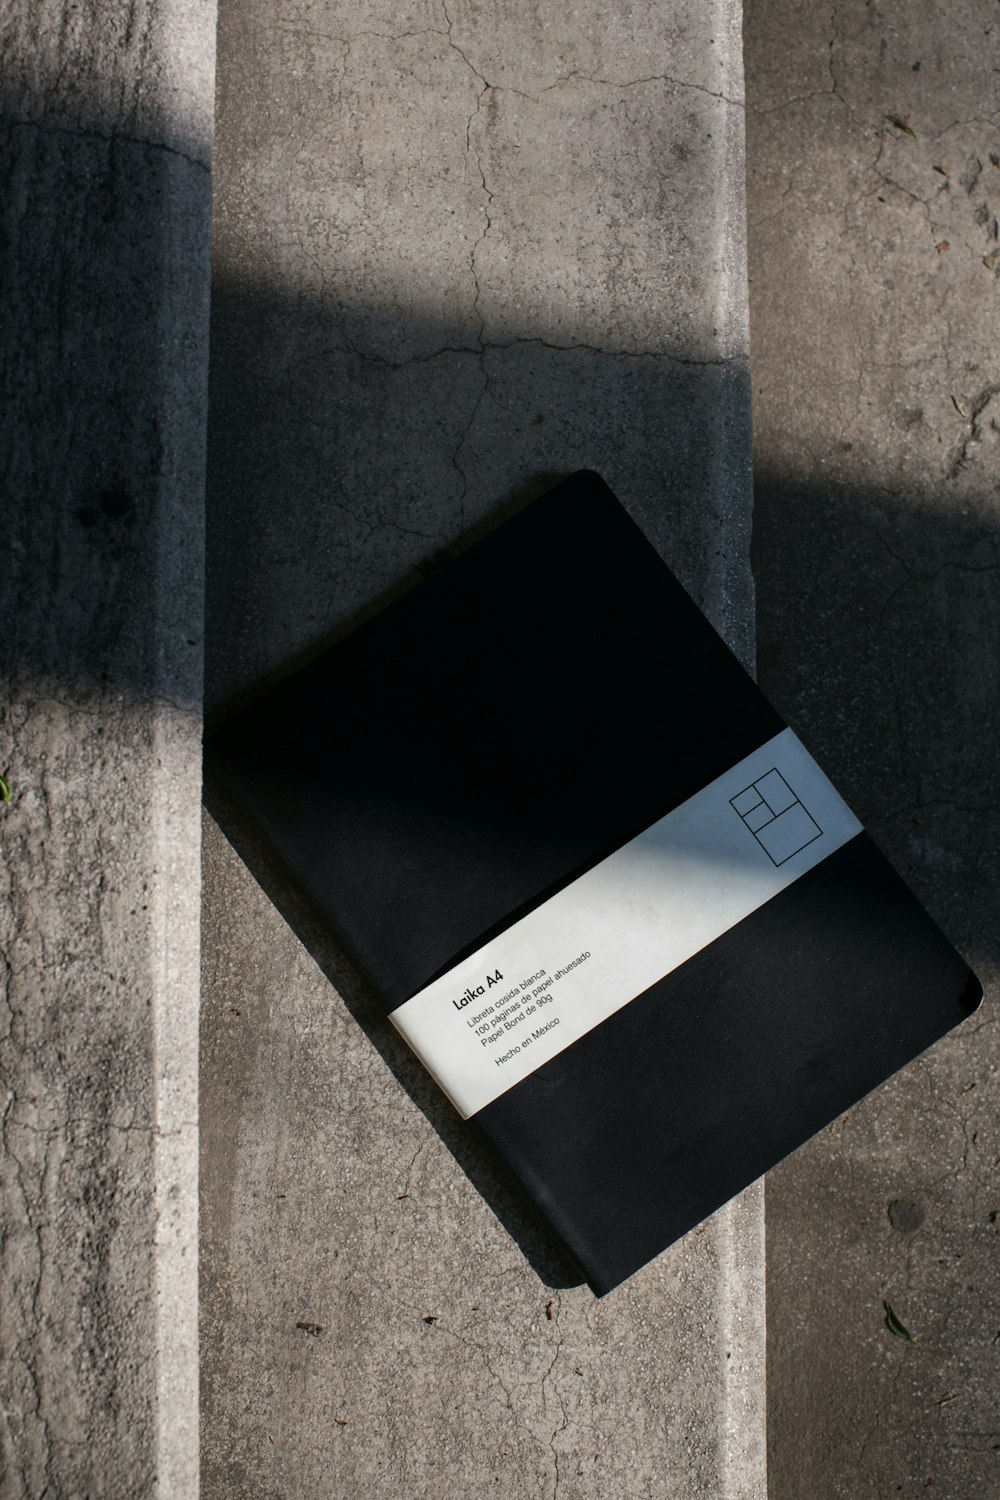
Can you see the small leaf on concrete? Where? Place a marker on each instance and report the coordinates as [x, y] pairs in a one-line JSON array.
[[895, 1326], [901, 123], [4, 789], [960, 408]]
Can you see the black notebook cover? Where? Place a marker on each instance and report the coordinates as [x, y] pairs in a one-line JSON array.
[[440, 775]]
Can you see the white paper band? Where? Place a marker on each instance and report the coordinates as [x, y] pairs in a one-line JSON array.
[[585, 953]]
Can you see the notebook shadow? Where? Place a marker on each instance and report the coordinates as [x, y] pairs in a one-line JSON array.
[[877, 628]]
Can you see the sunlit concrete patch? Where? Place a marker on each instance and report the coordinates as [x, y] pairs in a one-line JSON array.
[[100, 1091], [594, 236]]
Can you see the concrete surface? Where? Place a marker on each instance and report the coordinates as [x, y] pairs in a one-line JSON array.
[[459, 251], [431, 289], [875, 337], [105, 124]]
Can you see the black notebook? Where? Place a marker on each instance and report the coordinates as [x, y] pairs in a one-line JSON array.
[[599, 886]]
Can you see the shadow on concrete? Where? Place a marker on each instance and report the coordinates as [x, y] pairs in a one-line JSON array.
[[105, 248], [342, 465], [878, 638]]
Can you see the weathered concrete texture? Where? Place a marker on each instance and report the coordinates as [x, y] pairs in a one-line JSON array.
[[874, 297], [459, 251], [431, 289], [106, 201]]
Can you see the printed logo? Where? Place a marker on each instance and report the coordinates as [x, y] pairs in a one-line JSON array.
[[776, 817]]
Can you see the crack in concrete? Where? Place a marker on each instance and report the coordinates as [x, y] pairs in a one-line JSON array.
[[564, 1419], [774, 109], [481, 352], [25, 1354], [833, 92], [632, 83], [351, 347], [485, 207], [510, 1390], [936, 226], [979, 405], [574, 348], [463, 477], [51, 1132], [573, 77], [109, 137], [441, 1327], [992, 124], [409, 1171], [834, 89], [454, 45], [920, 578], [488, 345]]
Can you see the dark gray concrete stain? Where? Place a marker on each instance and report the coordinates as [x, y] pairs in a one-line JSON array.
[[906, 1217]]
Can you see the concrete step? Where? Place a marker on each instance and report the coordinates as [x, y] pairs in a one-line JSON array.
[[874, 188], [104, 138], [458, 250]]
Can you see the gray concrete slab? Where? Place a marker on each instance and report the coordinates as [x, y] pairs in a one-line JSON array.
[[440, 288], [105, 125], [459, 251], [874, 189]]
